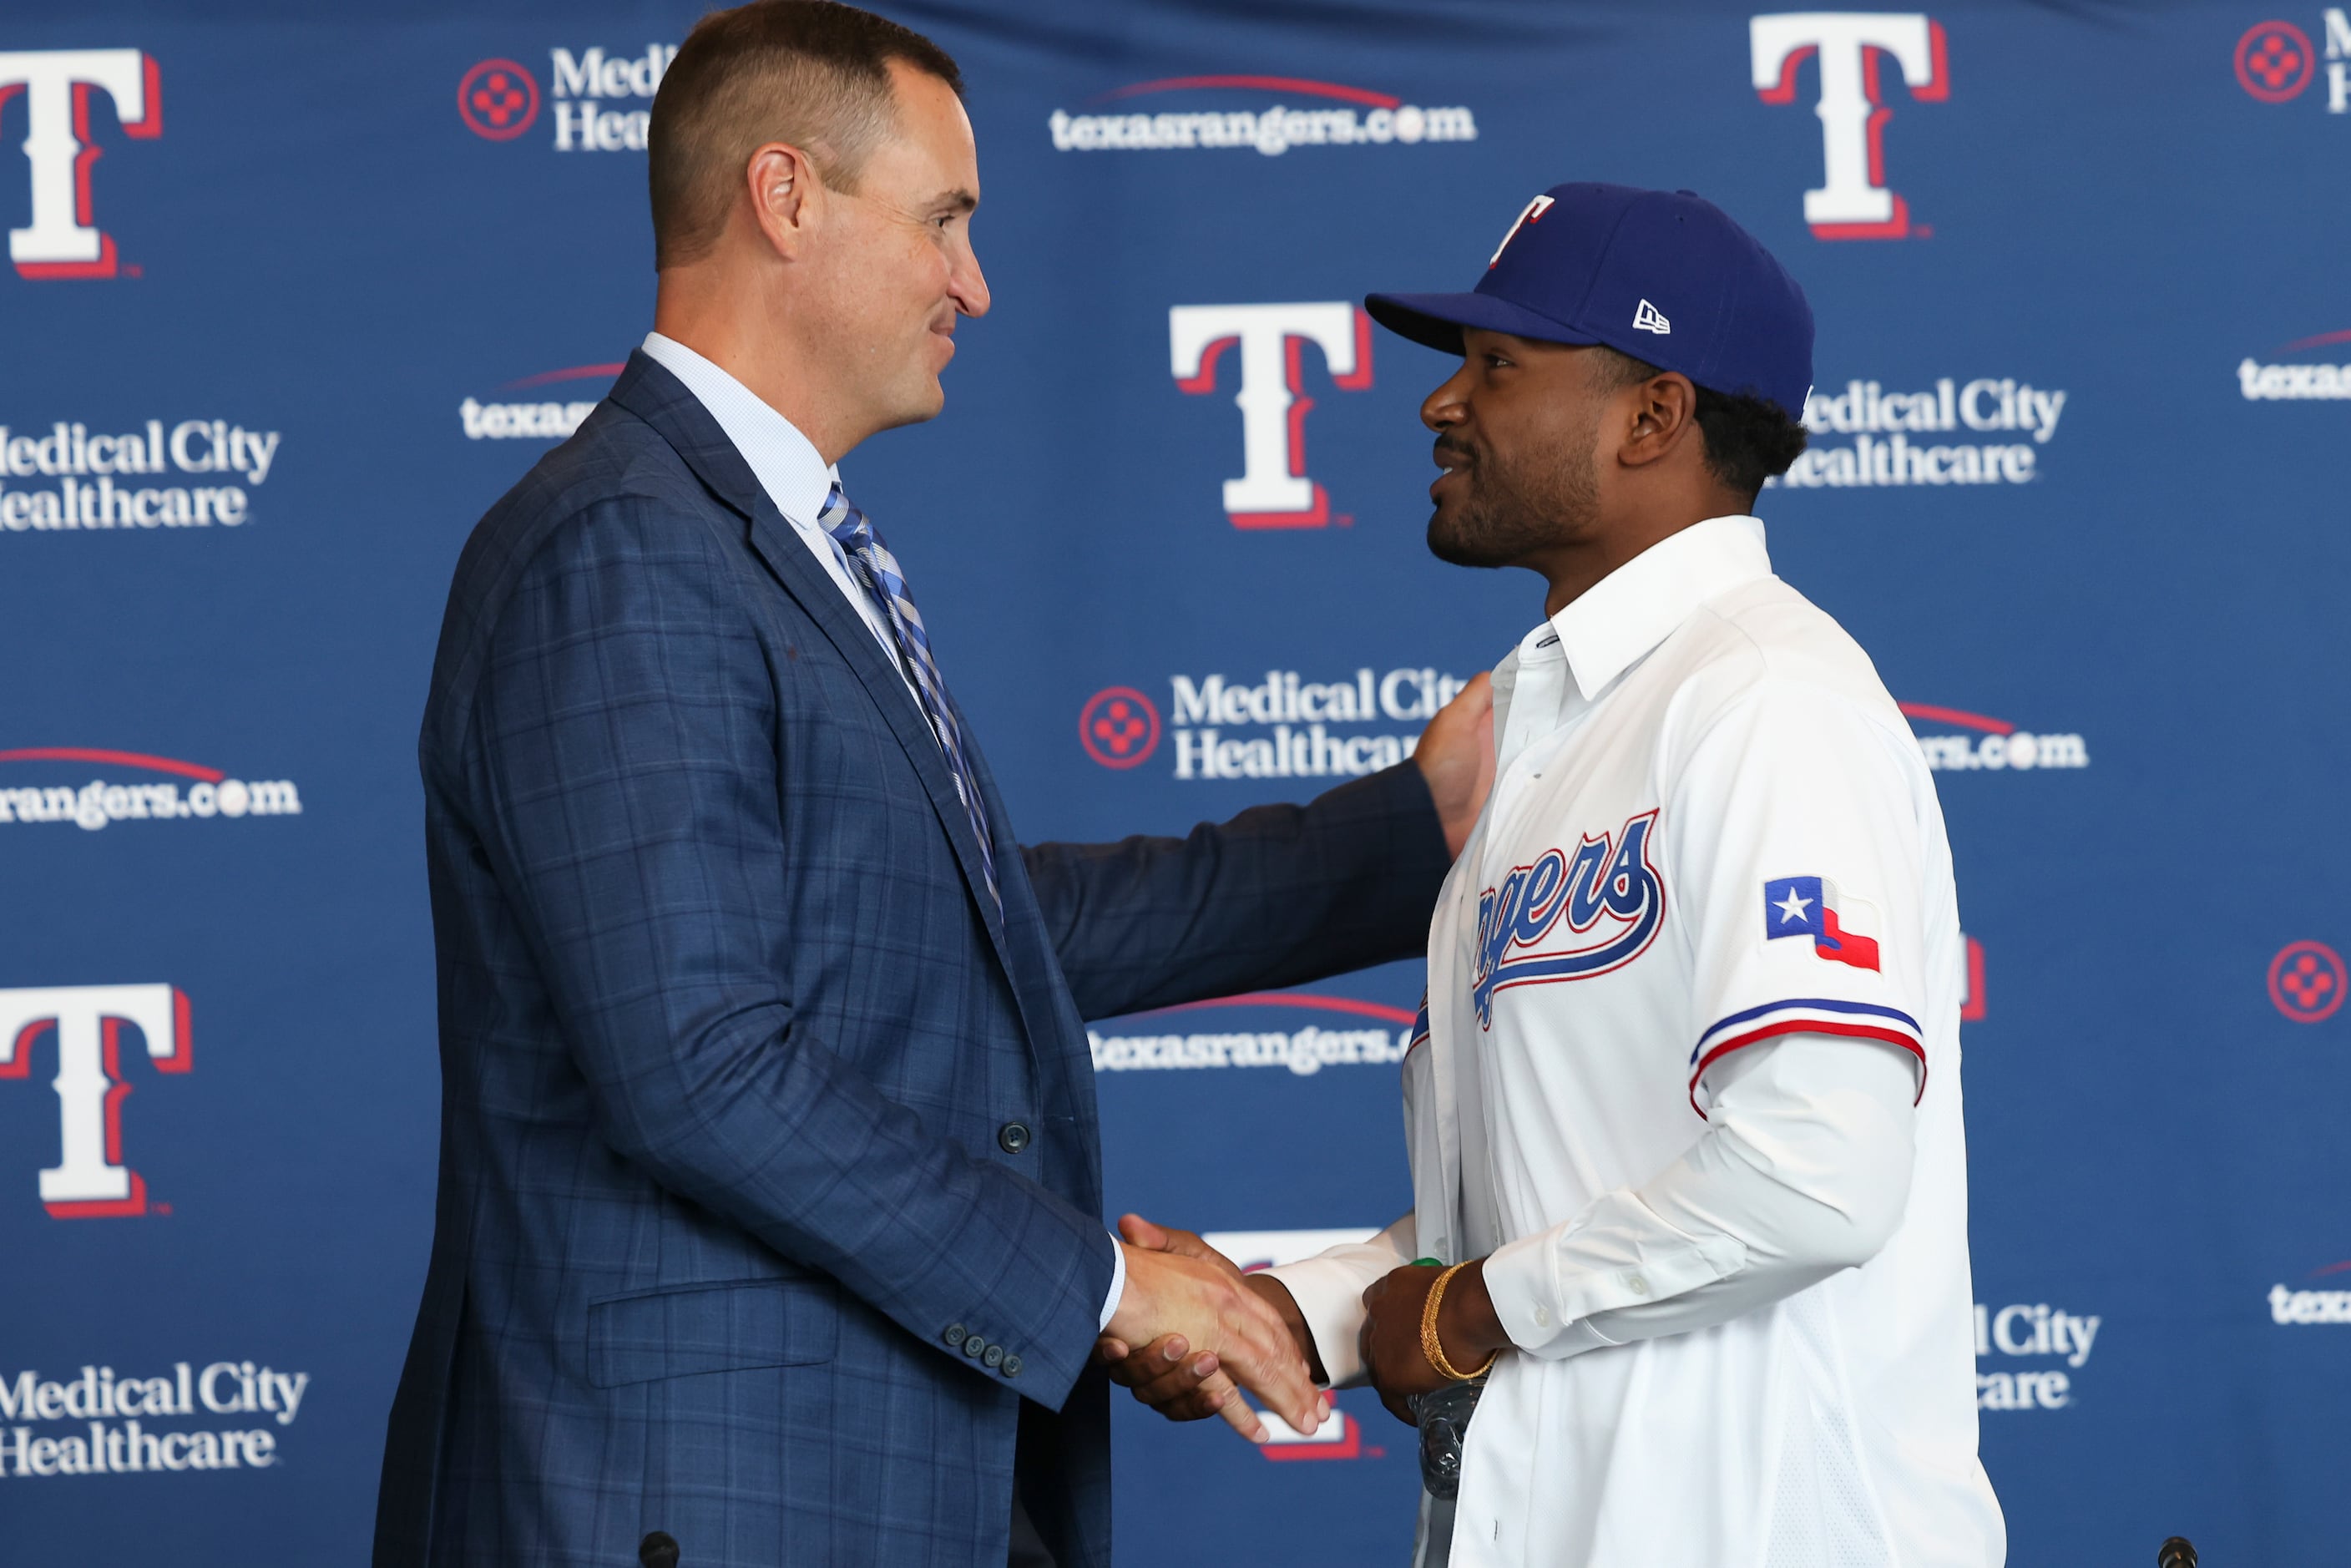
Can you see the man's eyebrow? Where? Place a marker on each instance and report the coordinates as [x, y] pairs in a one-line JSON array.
[[959, 200]]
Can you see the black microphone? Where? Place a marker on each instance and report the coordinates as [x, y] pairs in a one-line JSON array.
[[659, 1550], [2175, 1553]]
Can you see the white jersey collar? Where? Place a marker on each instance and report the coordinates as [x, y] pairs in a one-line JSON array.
[[1581, 651], [1632, 610]]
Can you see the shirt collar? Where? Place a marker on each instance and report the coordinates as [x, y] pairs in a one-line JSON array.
[[786, 462], [1632, 610]]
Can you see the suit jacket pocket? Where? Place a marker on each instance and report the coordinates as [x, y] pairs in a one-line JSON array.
[[711, 1328]]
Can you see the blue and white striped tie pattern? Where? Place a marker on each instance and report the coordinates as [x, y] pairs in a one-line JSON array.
[[887, 584]]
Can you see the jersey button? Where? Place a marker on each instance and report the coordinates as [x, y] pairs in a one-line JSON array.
[[1637, 1284], [1012, 1137]]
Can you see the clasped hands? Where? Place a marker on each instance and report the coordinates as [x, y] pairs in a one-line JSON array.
[[1265, 1344]]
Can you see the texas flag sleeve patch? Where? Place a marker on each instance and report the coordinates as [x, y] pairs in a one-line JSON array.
[[1841, 930]]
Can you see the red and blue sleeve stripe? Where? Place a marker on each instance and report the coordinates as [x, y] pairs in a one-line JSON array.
[[1807, 1015]]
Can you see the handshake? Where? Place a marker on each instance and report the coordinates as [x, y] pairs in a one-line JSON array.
[[1192, 1331]]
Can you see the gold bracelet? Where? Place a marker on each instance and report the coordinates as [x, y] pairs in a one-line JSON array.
[[1434, 1348]]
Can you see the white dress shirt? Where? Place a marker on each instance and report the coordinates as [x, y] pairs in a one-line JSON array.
[[789, 467], [798, 481], [1670, 1099]]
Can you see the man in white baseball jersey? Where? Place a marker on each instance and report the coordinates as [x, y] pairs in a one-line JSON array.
[[1684, 1121]]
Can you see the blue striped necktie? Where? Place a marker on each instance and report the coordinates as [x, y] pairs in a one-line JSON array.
[[887, 584]]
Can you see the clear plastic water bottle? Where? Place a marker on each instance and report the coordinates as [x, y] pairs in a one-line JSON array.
[[1443, 1415]]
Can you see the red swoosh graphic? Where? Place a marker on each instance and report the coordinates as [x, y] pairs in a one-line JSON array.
[[2324, 338], [120, 759], [1959, 716], [2332, 1268], [576, 374], [1293, 999], [1361, 95]]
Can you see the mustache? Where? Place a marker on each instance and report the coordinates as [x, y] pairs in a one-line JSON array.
[[1455, 446]]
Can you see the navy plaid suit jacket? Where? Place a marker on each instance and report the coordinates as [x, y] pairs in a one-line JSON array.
[[729, 1032]]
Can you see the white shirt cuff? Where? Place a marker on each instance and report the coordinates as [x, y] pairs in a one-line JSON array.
[[1330, 1297], [1518, 1281], [1117, 1284]]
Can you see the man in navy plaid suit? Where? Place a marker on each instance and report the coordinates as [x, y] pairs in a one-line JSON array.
[[769, 1178]]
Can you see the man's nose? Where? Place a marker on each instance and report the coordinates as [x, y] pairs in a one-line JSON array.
[[1442, 409], [968, 285]]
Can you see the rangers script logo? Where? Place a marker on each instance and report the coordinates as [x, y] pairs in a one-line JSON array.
[[1605, 888]]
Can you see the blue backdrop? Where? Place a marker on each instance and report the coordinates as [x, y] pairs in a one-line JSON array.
[[294, 295]]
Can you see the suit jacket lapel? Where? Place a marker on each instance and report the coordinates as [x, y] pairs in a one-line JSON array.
[[652, 394]]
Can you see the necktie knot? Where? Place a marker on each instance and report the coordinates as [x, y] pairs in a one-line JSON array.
[[844, 522]]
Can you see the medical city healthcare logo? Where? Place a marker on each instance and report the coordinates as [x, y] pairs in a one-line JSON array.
[[111, 1419], [508, 417], [603, 101], [58, 89], [1283, 726], [2033, 1332], [86, 1028], [1895, 433], [1273, 490], [188, 791], [1971, 742], [2307, 981], [105, 480], [1366, 118], [498, 100], [1119, 727], [1850, 50], [2275, 61]]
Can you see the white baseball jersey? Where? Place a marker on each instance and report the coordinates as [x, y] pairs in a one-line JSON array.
[[1710, 828]]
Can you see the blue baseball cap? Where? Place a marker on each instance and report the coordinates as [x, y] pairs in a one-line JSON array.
[[1663, 276]]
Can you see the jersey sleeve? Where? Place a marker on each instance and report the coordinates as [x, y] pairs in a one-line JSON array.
[[1794, 840]]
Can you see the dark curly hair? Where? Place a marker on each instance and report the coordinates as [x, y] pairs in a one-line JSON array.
[[1748, 439]]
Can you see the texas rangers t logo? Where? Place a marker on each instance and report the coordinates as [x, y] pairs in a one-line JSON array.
[[1843, 929], [1606, 886]]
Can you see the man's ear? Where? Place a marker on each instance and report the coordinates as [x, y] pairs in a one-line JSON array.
[[787, 196], [1665, 414]]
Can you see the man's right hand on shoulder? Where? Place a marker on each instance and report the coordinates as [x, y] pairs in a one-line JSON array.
[[1184, 1299]]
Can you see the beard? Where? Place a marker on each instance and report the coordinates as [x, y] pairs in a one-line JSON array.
[[1515, 506]]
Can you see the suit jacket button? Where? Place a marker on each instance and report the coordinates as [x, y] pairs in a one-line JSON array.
[[995, 1356], [956, 1334], [1012, 1137], [1011, 1366], [975, 1347]]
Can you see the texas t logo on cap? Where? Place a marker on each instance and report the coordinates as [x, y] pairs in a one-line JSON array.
[[1587, 264]]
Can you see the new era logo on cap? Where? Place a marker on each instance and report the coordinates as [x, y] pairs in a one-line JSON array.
[[1586, 263]]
